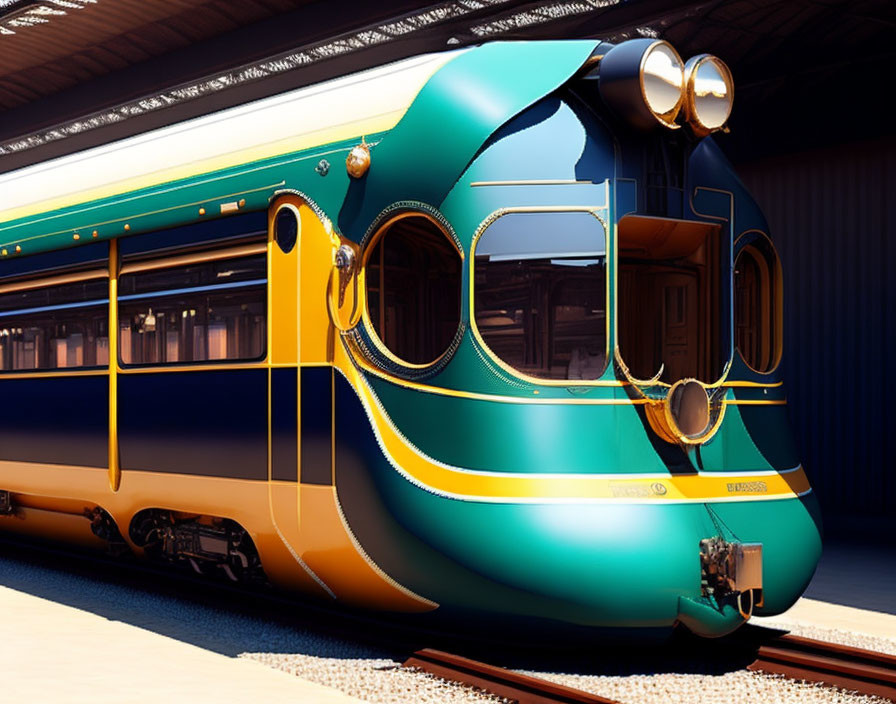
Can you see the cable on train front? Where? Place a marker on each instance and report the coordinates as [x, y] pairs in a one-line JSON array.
[[559, 395]]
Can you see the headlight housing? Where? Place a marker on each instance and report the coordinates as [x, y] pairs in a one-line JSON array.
[[709, 94], [643, 81]]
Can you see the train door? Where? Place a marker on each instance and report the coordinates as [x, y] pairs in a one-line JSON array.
[[301, 385], [678, 332], [668, 298]]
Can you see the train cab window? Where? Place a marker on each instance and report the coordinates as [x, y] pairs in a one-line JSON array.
[[541, 293], [413, 281], [50, 326], [668, 295], [757, 291], [203, 310]]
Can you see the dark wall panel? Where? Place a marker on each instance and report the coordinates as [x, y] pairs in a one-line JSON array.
[[317, 425], [211, 423], [57, 420], [832, 214], [284, 424]]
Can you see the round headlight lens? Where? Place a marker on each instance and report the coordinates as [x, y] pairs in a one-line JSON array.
[[710, 93], [662, 81]]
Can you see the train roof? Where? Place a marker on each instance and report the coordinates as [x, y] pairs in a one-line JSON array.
[[426, 118]]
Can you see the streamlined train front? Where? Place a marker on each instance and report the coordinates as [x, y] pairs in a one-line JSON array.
[[561, 397]]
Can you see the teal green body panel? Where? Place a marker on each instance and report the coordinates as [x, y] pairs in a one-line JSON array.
[[453, 116]]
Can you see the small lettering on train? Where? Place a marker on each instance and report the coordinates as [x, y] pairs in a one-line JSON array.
[[638, 490], [747, 488]]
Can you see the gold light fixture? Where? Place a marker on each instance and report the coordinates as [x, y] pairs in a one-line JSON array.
[[709, 94], [358, 160]]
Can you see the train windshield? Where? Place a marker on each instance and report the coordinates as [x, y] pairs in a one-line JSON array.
[[540, 293]]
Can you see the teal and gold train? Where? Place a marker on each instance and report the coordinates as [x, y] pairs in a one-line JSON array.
[[493, 332]]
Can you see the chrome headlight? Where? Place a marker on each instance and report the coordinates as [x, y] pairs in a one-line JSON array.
[[643, 81], [709, 94]]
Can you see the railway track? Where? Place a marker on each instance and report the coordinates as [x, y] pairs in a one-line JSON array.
[[521, 689], [842, 666], [794, 657]]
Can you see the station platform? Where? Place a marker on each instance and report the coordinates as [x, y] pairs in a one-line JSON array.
[[53, 652], [851, 599]]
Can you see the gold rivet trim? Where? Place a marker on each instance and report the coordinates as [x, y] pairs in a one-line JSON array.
[[202, 211], [242, 203], [127, 227], [76, 236], [94, 233], [4, 252], [18, 248]]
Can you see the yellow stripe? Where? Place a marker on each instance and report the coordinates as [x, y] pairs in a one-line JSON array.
[[457, 482], [114, 466]]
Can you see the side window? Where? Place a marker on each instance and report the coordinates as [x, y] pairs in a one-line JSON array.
[[206, 310], [757, 290], [413, 280], [540, 296], [55, 327]]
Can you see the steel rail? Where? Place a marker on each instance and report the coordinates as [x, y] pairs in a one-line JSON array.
[[522, 689], [833, 664]]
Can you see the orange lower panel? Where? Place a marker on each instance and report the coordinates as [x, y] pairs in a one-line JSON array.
[[52, 499], [299, 531], [332, 552], [52, 526]]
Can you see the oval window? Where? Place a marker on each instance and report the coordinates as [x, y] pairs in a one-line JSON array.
[[541, 294], [757, 291], [412, 276], [286, 229]]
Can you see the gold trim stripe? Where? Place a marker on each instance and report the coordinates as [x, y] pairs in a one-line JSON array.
[[114, 466], [527, 400], [74, 277]]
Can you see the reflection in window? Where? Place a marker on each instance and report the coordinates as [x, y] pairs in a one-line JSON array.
[[755, 301], [541, 293], [211, 310], [413, 278], [55, 327]]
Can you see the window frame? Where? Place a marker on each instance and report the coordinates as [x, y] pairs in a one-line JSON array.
[[49, 280], [608, 311], [747, 241], [379, 231], [173, 260]]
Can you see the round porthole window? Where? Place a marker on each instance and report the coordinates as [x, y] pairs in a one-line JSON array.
[[286, 229], [412, 276]]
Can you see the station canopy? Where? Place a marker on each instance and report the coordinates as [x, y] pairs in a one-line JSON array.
[[77, 73]]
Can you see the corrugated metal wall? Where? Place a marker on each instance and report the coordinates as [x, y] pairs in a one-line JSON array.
[[832, 214]]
